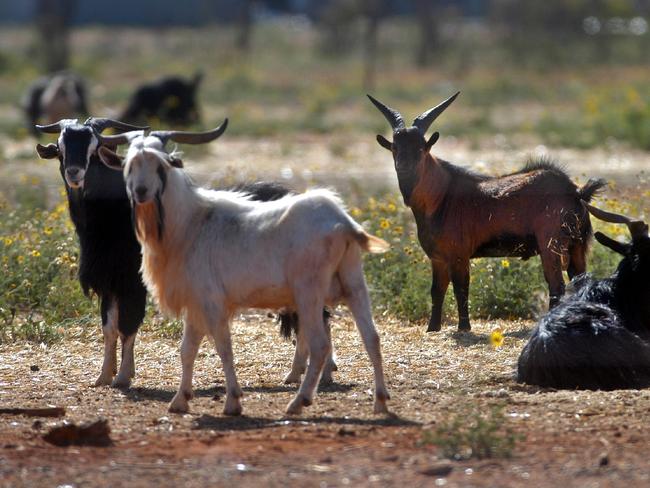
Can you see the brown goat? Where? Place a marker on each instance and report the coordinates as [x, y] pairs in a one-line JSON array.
[[462, 215]]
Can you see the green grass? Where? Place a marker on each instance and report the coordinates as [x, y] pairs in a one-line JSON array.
[[473, 434], [41, 295]]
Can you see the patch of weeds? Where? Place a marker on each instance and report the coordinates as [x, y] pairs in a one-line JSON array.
[[474, 434]]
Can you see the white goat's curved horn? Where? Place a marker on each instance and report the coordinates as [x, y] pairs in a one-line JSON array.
[[190, 137]]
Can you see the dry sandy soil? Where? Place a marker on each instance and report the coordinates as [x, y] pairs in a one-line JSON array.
[[569, 438]]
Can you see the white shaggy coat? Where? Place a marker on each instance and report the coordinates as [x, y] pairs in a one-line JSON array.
[[208, 254]]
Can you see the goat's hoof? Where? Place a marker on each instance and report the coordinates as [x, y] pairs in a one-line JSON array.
[[326, 379], [234, 411], [292, 379], [104, 380], [296, 405], [464, 326], [179, 404], [380, 407], [121, 382]]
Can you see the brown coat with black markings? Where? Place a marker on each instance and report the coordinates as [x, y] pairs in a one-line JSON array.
[[462, 215]]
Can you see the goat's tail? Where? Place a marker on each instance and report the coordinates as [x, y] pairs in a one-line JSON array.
[[591, 189], [370, 243], [289, 322], [583, 346]]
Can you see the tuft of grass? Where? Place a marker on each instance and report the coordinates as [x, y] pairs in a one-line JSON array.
[[473, 434]]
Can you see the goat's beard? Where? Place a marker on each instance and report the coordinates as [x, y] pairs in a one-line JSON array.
[[149, 220]]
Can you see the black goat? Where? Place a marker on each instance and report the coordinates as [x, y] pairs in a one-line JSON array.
[[598, 338], [109, 263], [54, 97], [461, 215], [172, 99]]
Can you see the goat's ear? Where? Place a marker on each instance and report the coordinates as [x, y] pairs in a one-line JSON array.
[[50, 151], [175, 161], [432, 140], [615, 246], [385, 143], [109, 158]]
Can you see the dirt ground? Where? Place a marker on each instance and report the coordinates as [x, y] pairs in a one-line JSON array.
[[569, 438]]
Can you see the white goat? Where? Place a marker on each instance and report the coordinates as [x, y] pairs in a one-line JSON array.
[[207, 254]]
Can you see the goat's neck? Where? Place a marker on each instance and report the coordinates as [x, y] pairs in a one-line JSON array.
[[431, 187], [180, 208]]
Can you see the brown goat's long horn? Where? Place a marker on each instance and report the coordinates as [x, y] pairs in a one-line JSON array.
[[100, 124], [637, 228], [424, 121], [190, 137], [56, 127], [393, 116]]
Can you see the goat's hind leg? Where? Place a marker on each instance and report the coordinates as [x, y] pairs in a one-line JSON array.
[[358, 300], [192, 337], [109, 313], [310, 311]]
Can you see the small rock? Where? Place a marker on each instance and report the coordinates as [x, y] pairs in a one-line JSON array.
[[34, 367], [604, 460], [38, 424], [440, 469], [346, 432], [91, 434]]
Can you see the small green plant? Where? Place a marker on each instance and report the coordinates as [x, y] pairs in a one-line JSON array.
[[472, 433]]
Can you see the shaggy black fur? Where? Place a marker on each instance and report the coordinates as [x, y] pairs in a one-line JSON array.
[[110, 259], [598, 337], [172, 99]]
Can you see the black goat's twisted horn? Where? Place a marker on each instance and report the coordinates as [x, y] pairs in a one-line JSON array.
[[424, 121], [393, 116], [637, 228], [190, 137], [100, 124], [56, 127]]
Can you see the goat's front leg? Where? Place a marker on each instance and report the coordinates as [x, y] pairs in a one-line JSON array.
[[330, 365], [460, 279], [220, 331], [439, 284], [127, 365], [552, 265], [302, 353], [109, 329], [192, 337]]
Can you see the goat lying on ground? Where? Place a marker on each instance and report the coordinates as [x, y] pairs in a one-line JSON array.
[[109, 263], [54, 97], [462, 215], [207, 254], [598, 337], [172, 99]]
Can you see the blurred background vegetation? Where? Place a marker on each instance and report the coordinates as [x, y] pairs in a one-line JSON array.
[[292, 74]]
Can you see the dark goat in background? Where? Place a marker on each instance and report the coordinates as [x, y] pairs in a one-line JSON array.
[[109, 263], [172, 99], [462, 215], [54, 97], [598, 337]]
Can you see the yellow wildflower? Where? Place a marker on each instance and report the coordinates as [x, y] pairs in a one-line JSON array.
[[36, 253], [384, 224], [505, 263], [496, 337]]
